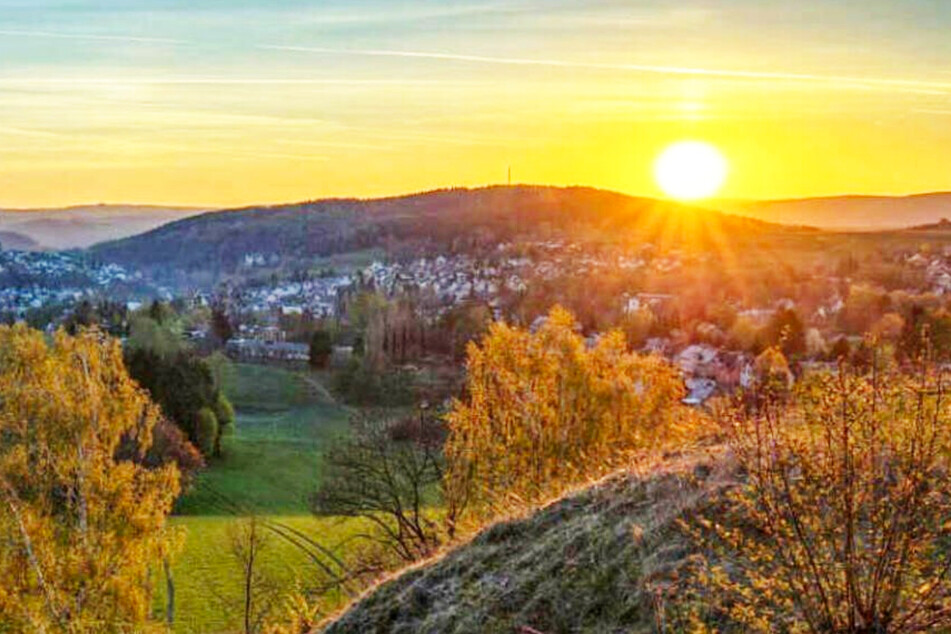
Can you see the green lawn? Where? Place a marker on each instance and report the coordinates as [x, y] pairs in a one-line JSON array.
[[285, 420], [272, 463], [208, 578]]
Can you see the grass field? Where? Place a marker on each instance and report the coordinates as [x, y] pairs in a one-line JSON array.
[[285, 419]]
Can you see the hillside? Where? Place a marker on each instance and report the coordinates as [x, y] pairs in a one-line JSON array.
[[582, 564], [83, 226], [849, 212], [18, 242], [459, 218]]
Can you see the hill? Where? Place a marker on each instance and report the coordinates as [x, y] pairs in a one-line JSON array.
[[861, 213], [942, 225], [18, 242], [83, 226], [582, 564], [458, 218]]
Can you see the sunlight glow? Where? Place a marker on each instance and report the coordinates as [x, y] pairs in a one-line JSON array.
[[690, 170]]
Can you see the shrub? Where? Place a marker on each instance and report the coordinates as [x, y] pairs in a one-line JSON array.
[[206, 430], [321, 347], [841, 521], [357, 384]]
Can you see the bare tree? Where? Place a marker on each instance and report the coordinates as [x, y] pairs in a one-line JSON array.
[[390, 483], [259, 595]]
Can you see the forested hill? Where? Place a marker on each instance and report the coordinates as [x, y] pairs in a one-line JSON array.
[[217, 242]]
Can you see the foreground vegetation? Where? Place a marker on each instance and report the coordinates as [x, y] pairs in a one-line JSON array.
[[578, 565], [832, 516], [819, 506]]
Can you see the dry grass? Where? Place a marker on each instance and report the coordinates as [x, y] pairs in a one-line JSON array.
[[588, 562]]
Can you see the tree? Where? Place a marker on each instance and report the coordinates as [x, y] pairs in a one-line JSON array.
[[221, 326], [773, 376], [224, 414], [79, 527], [785, 330], [841, 349], [840, 522], [206, 431], [321, 347], [83, 315], [387, 482], [743, 334], [544, 412], [889, 328], [259, 594], [180, 381]]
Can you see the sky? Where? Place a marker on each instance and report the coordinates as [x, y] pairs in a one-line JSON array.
[[227, 102]]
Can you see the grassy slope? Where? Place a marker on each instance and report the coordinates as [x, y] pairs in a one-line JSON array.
[[271, 464], [576, 566], [273, 461]]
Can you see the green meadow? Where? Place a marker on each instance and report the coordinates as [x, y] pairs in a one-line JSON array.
[[285, 420]]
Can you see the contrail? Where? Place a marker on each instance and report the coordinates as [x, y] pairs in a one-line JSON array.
[[91, 36], [901, 84], [225, 81]]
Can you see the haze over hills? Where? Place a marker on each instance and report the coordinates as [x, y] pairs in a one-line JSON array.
[[219, 241], [862, 213], [82, 226]]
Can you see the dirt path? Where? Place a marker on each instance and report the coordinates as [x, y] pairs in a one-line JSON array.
[[317, 388]]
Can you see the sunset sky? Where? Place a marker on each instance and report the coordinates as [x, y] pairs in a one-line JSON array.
[[226, 102]]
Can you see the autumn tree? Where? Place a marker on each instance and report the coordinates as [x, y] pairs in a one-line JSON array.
[[840, 521], [79, 528], [786, 331], [544, 412]]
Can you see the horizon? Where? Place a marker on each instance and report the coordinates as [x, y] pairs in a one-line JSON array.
[[228, 105], [712, 202]]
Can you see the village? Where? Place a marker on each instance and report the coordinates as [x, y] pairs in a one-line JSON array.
[[715, 358], [710, 356]]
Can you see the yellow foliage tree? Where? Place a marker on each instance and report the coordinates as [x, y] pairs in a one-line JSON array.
[[79, 529], [545, 412]]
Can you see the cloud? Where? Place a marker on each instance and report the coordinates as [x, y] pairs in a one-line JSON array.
[[90, 36], [898, 85], [225, 81]]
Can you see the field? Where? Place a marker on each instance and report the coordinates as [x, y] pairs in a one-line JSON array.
[[285, 419]]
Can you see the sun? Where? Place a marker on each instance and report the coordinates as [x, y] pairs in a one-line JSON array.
[[690, 170]]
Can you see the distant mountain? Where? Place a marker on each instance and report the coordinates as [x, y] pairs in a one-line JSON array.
[[942, 225], [18, 242], [860, 213], [218, 242], [81, 227]]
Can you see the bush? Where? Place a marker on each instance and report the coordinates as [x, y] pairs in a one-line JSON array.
[[206, 431], [841, 521], [321, 347], [356, 384]]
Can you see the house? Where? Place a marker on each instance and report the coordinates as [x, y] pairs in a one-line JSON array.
[[696, 358]]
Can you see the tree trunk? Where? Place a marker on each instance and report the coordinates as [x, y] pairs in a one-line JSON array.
[[169, 593]]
